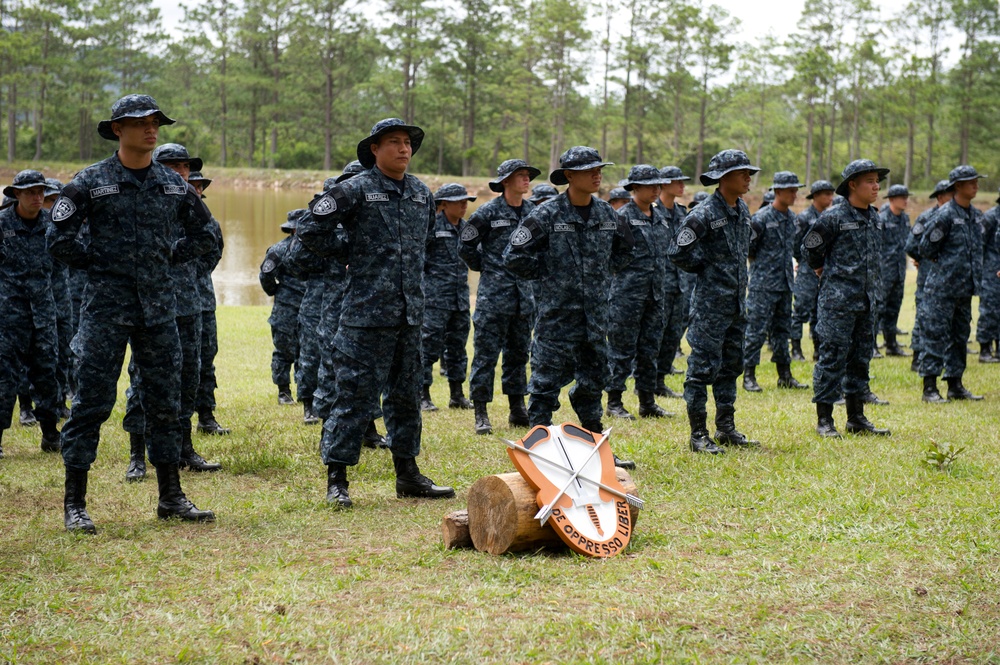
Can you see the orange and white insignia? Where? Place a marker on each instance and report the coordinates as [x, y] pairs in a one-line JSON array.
[[579, 495]]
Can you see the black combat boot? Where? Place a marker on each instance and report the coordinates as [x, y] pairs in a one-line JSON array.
[[900, 331], [483, 425], [75, 503], [615, 407], [892, 347], [518, 413], [871, 398], [309, 416], [663, 390], [876, 354], [915, 363], [457, 400], [986, 354], [413, 484], [797, 354], [50, 435], [786, 380], [598, 430], [824, 421], [26, 417], [372, 439], [750, 379], [207, 424], [285, 395], [173, 503], [190, 459], [137, 458], [701, 442], [336, 486], [931, 394], [856, 421], [957, 391], [815, 348], [726, 433], [425, 400], [648, 408]]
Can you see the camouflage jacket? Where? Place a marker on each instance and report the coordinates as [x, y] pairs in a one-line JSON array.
[[644, 275], [279, 270], [845, 242], [383, 240], [913, 240], [205, 265], [483, 241], [991, 241], [952, 247], [772, 238], [26, 271], [803, 221], [137, 231], [672, 275], [572, 261], [713, 242], [895, 231], [446, 277]]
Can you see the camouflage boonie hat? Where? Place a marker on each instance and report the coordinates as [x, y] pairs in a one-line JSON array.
[[672, 173], [838, 200], [577, 158], [725, 162], [856, 168], [643, 174], [820, 186], [963, 173], [940, 188], [453, 191], [24, 180], [350, 170], [619, 193], [543, 192], [196, 176], [768, 198], [507, 169], [175, 152], [131, 106], [698, 198], [786, 180], [292, 222], [897, 190], [382, 127]]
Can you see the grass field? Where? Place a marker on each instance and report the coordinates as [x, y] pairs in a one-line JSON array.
[[804, 550]]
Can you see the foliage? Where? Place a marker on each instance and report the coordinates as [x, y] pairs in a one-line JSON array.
[[941, 456]]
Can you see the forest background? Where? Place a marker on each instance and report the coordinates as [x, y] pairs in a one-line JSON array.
[[294, 84]]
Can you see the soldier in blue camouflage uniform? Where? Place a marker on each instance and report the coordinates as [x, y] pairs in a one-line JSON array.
[[806, 287], [636, 301], [446, 295], [288, 291], [843, 247], [28, 332], [713, 243], [619, 197], [988, 325], [942, 193], [951, 250], [571, 245], [64, 310], [542, 193], [769, 302], [310, 354], [133, 207], [677, 284], [384, 214], [895, 230], [505, 302]]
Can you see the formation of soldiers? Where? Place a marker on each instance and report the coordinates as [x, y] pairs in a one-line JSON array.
[[371, 290]]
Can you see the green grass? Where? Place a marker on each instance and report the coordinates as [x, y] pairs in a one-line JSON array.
[[803, 550]]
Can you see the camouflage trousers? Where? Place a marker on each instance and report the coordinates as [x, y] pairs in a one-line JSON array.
[[806, 291], [892, 302], [326, 376], [368, 361], [988, 324], [555, 363], [716, 358], [284, 322], [310, 353], [32, 351], [100, 349], [947, 323], [207, 383], [846, 341], [916, 335], [769, 316], [674, 324], [634, 336], [497, 332], [445, 333]]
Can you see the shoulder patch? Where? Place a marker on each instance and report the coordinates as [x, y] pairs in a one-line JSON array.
[[521, 236], [174, 190], [718, 223], [812, 240], [469, 233], [918, 228], [377, 196], [63, 209], [326, 205], [267, 266], [104, 191], [936, 235], [686, 237]]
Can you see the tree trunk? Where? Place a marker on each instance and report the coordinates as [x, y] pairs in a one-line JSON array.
[[12, 123], [455, 529], [810, 124], [702, 120]]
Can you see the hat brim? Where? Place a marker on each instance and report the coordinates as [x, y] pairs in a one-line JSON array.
[[629, 184], [364, 151], [713, 177], [104, 126], [843, 188], [452, 199], [667, 181], [496, 185], [10, 190], [558, 177], [205, 182], [195, 163], [288, 227], [975, 177], [895, 196], [793, 185], [811, 195]]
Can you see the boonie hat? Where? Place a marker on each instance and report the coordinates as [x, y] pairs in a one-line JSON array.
[[507, 169], [768, 198], [856, 168], [618, 193], [452, 191], [897, 190], [963, 173], [940, 188], [543, 192], [698, 198], [672, 173], [292, 222], [53, 186], [131, 106], [820, 186], [725, 162], [643, 174], [577, 158], [196, 176], [382, 127], [24, 180], [175, 152], [785, 180]]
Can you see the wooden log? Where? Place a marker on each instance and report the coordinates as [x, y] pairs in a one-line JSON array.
[[455, 527], [502, 514]]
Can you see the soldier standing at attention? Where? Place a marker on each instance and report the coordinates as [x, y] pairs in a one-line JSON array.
[[29, 339], [988, 325], [446, 295], [505, 302], [385, 214], [895, 230], [843, 248], [64, 310], [951, 249], [769, 302], [571, 245], [636, 301], [288, 291], [677, 284], [131, 204], [713, 243], [806, 282]]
